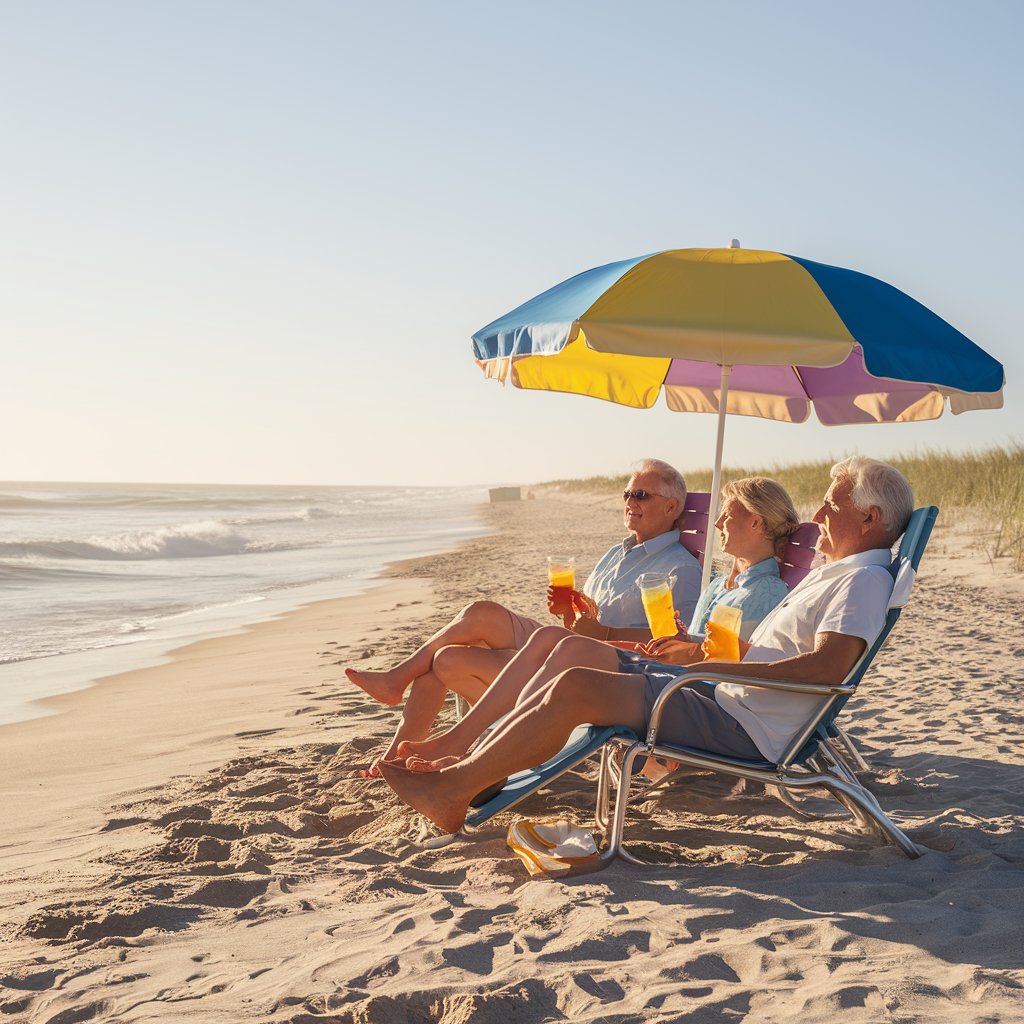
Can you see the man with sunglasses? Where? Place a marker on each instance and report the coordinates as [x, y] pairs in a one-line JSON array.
[[610, 607], [466, 655]]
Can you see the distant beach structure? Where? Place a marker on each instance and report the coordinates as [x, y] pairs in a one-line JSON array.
[[505, 493]]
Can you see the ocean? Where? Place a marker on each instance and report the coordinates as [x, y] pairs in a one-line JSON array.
[[98, 578]]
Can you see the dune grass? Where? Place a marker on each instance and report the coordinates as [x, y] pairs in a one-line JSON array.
[[989, 484]]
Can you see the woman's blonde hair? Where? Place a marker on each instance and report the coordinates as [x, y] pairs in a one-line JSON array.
[[765, 498]]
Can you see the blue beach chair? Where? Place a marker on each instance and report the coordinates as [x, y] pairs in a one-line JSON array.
[[809, 761]]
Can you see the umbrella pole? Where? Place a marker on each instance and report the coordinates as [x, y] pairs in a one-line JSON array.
[[716, 478]]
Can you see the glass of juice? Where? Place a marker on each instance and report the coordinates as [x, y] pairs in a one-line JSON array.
[[562, 577], [656, 594], [722, 642]]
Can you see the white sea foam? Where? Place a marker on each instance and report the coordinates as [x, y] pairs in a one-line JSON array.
[[86, 567], [190, 540]]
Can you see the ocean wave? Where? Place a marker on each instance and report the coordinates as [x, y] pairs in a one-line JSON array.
[[302, 515], [192, 540]]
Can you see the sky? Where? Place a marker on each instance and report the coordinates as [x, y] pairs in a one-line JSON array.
[[248, 242]]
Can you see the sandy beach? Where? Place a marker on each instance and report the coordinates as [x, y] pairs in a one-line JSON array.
[[193, 842]]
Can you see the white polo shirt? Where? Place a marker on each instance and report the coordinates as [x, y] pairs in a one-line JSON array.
[[849, 596]]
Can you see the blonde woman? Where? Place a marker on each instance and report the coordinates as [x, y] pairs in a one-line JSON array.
[[757, 517]]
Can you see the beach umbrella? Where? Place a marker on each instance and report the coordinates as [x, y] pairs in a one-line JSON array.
[[742, 332]]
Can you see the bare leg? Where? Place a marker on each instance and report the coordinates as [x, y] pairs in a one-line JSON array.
[[549, 651], [482, 623], [536, 731], [572, 652], [426, 698], [467, 671]]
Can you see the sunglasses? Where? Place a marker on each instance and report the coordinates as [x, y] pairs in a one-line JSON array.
[[640, 495]]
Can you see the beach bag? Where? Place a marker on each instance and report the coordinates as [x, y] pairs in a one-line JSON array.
[[553, 846]]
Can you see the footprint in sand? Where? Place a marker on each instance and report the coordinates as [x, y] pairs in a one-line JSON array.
[[38, 981], [229, 892], [81, 925], [190, 812], [272, 785], [378, 973]]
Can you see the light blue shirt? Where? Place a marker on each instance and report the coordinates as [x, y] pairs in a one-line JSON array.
[[758, 590], [612, 584]]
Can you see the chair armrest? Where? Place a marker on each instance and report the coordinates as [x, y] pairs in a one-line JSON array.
[[820, 689], [688, 675]]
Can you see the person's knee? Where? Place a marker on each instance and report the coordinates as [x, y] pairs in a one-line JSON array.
[[449, 662], [570, 651], [544, 640], [482, 613]]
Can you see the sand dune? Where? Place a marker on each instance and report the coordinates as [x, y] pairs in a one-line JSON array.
[[248, 873]]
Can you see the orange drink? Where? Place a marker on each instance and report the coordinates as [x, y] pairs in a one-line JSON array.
[[656, 594], [722, 642], [562, 577]]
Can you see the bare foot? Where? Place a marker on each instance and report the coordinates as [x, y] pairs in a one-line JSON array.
[[429, 793], [384, 687], [434, 749], [373, 772], [418, 764]]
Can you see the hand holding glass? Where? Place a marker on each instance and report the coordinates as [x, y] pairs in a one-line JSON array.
[[656, 594], [562, 580], [722, 641]]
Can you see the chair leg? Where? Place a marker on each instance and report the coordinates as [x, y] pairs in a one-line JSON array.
[[784, 797], [614, 848], [604, 782], [851, 749], [870, 811]]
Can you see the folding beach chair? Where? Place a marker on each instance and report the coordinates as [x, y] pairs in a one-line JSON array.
[[808, 762]]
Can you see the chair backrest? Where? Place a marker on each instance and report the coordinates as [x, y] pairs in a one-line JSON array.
[[795, 563], [693, 534], [799, 553], [909, 552]]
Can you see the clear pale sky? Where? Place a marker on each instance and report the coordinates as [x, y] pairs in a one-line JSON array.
[[249, 241]]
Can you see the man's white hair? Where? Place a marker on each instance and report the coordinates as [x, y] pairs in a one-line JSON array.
[[671, 479], [878, 483]]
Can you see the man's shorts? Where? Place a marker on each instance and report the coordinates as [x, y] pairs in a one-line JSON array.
[[694, 719], [522, 629]]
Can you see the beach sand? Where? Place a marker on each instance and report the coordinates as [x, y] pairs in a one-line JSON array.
[[192, 842]]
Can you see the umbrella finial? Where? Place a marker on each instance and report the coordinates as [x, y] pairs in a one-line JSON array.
[[734, 244]]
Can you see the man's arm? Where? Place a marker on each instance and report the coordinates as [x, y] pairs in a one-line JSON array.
[[830, 662]]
